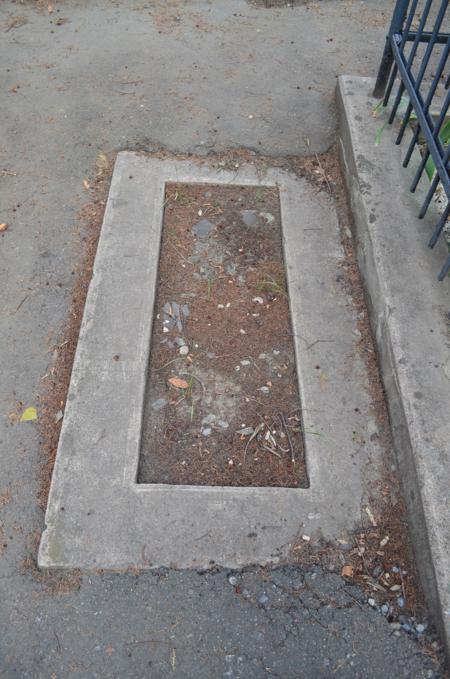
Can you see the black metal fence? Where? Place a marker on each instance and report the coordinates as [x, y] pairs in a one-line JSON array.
[[414, 61]]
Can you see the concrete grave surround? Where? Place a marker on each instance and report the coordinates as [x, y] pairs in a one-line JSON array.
[[97, 515]]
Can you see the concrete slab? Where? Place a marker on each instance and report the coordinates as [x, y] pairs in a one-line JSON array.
[[97, 515], [409, 313]]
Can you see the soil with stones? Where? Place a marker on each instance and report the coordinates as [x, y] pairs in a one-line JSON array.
[[222, 404]]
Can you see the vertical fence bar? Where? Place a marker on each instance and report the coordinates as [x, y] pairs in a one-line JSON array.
[[423, 91], [387, 59]]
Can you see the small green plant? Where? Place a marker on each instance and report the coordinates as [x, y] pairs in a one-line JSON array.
[[444, 136], [379, 108]]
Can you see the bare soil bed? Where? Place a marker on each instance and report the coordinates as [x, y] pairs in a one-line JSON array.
[[222, 404]]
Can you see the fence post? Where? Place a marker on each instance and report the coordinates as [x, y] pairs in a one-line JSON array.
[[387, 59]]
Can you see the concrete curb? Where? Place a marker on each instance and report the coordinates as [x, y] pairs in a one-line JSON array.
[[408, 310]]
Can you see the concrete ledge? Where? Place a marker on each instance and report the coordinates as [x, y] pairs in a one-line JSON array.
[[408, 308], [97, 515]]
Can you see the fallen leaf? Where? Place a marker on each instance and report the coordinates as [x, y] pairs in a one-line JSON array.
[[102, 163], [178, 383], [86, 184], [29, 414], [347, 571], [371, 517], [3, 227]]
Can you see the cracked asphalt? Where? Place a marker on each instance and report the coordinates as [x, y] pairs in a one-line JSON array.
[[190, 76], [287, 622]]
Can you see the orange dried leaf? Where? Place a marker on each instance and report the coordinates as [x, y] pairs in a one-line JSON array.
[[347, 571], [178, 383]]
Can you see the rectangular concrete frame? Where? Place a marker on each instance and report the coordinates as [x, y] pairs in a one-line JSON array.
[[97, 515], [408, 308]]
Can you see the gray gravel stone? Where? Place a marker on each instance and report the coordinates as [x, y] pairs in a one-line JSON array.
[[249, 217], [159, 404], [202, 228]]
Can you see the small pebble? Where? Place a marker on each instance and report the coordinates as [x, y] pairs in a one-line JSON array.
[[247, 431], [420, 628], [159, 404], [202, 228], [371, 602], [232, 580], [263, 599], [245, 362], [401, 602], [377, 571], [259, 300], [265, 390], [385, 609], [206, 431], [184, 350], [242, 331]]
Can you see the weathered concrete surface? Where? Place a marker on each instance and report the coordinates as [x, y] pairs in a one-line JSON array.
[[97, 515], [51, 130], [409, 313]]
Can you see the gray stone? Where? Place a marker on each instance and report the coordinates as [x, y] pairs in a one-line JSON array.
[[406, 303], [246, 431], [172, 316], [159, 404], [249, 217], [202, 228], [209, 419]]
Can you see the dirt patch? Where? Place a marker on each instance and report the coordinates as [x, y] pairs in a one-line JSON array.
[[52, 582], [222, 403]]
